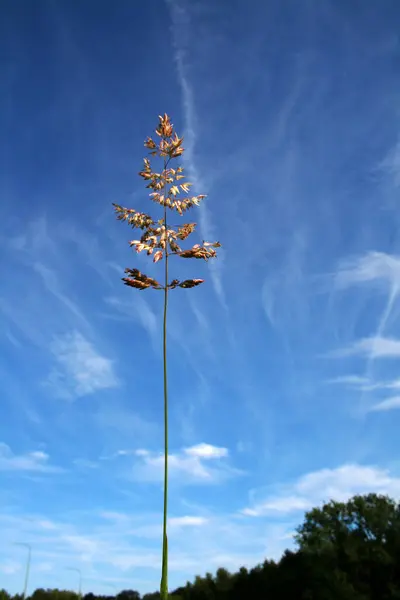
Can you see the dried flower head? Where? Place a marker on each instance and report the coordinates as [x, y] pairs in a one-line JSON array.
[[169, 190]]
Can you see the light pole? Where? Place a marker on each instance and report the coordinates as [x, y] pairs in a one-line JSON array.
[[28, 565], [80, 579]]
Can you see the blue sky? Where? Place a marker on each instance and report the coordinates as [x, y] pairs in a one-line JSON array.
[[284, 365]]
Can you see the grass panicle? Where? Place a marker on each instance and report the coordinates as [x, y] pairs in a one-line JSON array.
[[160, 241]]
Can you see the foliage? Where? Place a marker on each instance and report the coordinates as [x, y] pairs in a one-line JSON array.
[[162, 241], [359, 538]]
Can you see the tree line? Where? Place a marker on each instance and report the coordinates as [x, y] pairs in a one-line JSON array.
[[345, 551]]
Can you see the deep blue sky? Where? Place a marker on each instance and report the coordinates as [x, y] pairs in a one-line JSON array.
[[284, 377]]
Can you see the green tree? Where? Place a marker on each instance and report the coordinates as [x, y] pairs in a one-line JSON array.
[[128, 595], [223, 584], [359, 541]]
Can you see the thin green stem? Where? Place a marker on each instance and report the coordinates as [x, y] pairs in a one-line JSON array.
[[164, 577]]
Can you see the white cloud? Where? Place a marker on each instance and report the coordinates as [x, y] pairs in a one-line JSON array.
[[347, 479], [46, 524], [390, 385], [196, 464], [86, 464], [116, 542], [352, 380], [372, 347], [279, 505], [81, 369], [43, 567], [112, 515], [39, 455], [82, 544], [187, 521], [32, 461], [139, 452], [206, 451], [152, 465], [153, 528], [9, 567], [122, 453], [327, 484], [388, 404]]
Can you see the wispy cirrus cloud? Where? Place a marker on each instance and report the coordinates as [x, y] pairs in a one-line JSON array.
[[390, 165], [385, 405], [119, 421], [383, 270], [139, 310], [364, 385], [374, 267], [372, 347], [81, 370], [52, 284], [180, 17], [282, 286], [41, 295], [357, 381]]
